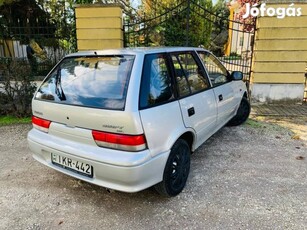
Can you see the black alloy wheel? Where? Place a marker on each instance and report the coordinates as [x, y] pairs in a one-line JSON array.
[[176, 170], [242, 113]]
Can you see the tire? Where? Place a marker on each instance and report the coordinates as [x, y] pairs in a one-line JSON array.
[[242, 113], [176, 170]]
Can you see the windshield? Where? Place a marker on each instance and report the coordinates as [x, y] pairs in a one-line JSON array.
[[92, 81]]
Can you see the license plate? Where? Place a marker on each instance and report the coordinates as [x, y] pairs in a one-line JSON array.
[[72, 165]]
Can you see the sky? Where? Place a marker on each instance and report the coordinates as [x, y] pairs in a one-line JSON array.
[[214, 2]]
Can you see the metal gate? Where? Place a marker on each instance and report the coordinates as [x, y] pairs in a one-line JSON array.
[[32, 38], [226, 38]]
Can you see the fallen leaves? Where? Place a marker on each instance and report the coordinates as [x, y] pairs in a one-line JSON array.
[[295, 137]]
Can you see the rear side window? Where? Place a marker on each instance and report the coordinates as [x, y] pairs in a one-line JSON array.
[[92, 81], [156, 81]]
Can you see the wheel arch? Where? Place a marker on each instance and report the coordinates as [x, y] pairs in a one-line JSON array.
[[245, 95], [189, 137]]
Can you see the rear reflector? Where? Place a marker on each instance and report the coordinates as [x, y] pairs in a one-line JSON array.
[[41, 124], [119, 141]]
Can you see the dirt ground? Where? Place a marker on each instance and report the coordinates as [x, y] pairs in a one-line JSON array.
[[298, 125], [248, 177]]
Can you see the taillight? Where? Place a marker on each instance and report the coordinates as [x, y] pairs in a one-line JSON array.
[[41, 124], [119, 141]]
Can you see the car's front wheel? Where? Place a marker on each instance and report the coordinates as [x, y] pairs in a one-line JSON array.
[[242, 113], [176, 170]]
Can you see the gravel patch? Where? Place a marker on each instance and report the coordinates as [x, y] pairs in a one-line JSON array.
[[247, 177]]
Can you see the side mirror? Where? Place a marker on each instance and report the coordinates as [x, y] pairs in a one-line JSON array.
[[236, 76]]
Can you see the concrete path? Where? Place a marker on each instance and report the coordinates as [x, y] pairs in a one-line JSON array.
[[280, 110]]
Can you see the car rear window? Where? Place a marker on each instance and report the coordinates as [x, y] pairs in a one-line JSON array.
[[91, 81]]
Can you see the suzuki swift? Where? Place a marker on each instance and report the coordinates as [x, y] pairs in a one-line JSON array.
[[129, 119]]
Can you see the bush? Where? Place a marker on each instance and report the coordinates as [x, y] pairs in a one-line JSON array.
[[234, 54], [16, 88], [3, 103]]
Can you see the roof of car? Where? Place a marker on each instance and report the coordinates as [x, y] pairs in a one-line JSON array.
[[143, 50]]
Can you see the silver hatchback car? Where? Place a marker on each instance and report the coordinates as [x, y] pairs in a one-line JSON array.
[[129, 119]]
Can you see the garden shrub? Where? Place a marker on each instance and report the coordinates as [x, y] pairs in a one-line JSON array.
[[16, 87]]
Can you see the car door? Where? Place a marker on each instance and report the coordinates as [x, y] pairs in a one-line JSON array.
[[159, 110], [196, 97], [222, 87]]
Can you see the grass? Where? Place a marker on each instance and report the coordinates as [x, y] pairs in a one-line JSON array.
[[261, 124], [229, 58], [11, 120], [254, 123]]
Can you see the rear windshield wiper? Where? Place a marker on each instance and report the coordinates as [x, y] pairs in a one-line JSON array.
[[58, 87]]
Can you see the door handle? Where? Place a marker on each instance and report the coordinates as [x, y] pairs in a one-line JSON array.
[[220, 97], [191, 111]]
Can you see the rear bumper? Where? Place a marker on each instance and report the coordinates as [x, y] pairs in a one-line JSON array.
[[127, 171]]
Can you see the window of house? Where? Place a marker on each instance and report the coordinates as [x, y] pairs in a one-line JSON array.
[[241, 41]]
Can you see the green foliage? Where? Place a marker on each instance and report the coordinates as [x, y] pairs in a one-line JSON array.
[[63, 16], [16, 88], [3, 2], [201, 25], [50, 23], [231, 58], [84, 1], [11, 120], [174, 31], [219, 35], [177, 23], [254, 123], [234, 54]]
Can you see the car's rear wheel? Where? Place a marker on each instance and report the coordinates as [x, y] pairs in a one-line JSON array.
[[176, 170], [242, 113]]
